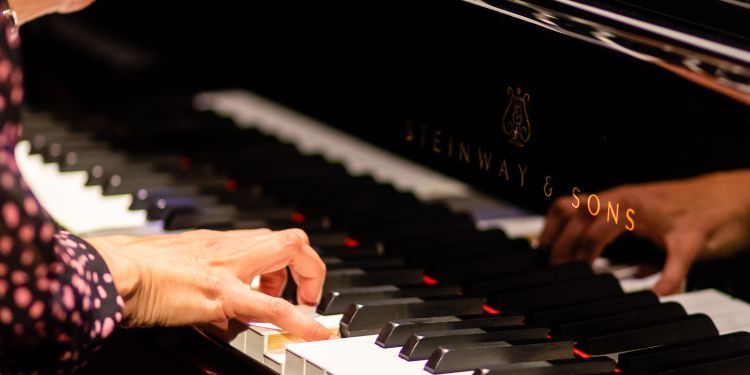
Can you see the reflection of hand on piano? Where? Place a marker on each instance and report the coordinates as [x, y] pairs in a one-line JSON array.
[[702, 217], [173, 280]]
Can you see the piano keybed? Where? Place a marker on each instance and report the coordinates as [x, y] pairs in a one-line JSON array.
[[413, 286]]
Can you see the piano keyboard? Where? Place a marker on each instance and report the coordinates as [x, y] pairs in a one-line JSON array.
[[413, 285]]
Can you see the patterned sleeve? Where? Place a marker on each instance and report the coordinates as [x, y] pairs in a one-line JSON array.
[[57, 298]]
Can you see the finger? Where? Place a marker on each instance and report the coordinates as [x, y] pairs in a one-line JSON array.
[[254, 306], [565, 245], [596, 237], [682, 250], [273, 283], [309, 278], [557, 218], [291, 248]]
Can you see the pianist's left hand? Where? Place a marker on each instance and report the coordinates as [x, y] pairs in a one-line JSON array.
[[203, 277], [702, 217]]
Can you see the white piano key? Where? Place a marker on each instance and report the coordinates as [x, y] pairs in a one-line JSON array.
[[263, 338], [728, 314], [239, 341], [275, 361], [357, 355], [80, 208]]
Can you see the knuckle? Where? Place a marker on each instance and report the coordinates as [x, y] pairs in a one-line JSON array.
[[212, 243], [294, 237]]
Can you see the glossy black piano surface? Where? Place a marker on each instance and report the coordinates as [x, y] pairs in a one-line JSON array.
[[523, 100]]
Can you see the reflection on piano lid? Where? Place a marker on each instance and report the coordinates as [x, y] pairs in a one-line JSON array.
[[420, 160]]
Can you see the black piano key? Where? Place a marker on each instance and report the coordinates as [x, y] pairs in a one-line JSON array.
[[116, 185], [729, 364], [266, 212], [570, 292], [336, 301], [84, 160], [613, 323], [396, 332], [477, 269], [461, 253], [345, 278], [525, 280], [446, 241], [195, 219], [668, 332], [470, 356], [457, 225], [328, 238], [373, 263], [354, 251], [160, 208], [575, 366], [80, 160], [592, 309], [421, 345], [642, 362], [146, 196], [100, 173], [363, 318]]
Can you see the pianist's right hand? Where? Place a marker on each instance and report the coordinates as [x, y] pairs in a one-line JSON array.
[[702, 217], [203, 277]]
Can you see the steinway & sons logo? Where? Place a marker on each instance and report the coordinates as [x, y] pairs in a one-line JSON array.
[[516, 124], [488, 160]]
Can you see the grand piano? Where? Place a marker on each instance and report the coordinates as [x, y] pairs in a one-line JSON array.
[[420, 144]]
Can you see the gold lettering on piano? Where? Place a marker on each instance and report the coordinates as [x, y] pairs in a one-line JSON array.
[[523, 169], [594, 206], [630, 216], [615, 213], [516, 124], [436, 140], [547, 186], [493, 162], [464, 152], [577, 203], [504, 170], [598, 205], [485, 159]]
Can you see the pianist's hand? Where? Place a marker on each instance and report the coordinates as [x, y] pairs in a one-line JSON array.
[[702, 217], [203, 277], [27, 10]]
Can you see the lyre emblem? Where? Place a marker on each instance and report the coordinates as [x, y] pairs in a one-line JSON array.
[[516, 123]]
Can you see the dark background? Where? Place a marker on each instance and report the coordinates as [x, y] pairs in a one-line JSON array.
[[599, 118]]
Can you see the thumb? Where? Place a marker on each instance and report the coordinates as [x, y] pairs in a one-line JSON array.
[[682, 250]]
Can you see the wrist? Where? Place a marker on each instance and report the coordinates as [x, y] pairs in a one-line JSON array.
[[125, 272]]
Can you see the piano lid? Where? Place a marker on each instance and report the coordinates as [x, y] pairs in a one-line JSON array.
[[706, 42]]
